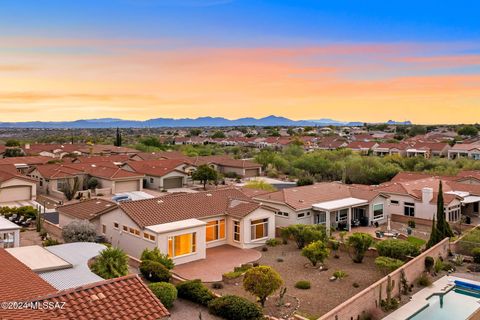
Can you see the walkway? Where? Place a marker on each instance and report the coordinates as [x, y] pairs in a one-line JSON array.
[[219, 260]]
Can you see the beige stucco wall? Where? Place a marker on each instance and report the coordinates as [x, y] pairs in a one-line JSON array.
[[157, 183], [20, 182]]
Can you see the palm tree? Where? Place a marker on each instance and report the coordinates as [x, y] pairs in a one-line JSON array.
[[111, 263]]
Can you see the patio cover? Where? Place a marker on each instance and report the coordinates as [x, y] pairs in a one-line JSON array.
[[339, 204], [177, 225], [471, 199], [38, 259], [7, 225]]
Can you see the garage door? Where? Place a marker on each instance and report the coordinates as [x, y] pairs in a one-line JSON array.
[[251, 172], [126, 186], [20, 193], [173, 183]]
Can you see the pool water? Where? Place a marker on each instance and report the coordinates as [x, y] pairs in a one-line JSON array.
[[457, 304]]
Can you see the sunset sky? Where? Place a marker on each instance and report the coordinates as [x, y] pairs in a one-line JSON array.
[[141, 59]]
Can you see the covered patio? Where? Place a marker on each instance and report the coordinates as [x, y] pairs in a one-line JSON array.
[[340, 212], [219, 260]]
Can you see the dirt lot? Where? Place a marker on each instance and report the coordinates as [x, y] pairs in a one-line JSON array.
[[324, 294]]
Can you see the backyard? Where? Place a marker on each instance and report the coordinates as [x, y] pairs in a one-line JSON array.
[[323, 294]]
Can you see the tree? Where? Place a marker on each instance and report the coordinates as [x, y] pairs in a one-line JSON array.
[[218, 135], [195, 132], [118, 139], [260, 185], [204, 174], [442, 229], [71, 187], [306, 234], [359, 242], [79, 231], [262, 281], [305, 181], [12, 143], [470, 131], [316, 252], [92, 183], [157, 256], [13, 152], [111, 263]]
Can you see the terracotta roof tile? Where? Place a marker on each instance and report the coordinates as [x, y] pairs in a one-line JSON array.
[[87, 210], [157, 168]]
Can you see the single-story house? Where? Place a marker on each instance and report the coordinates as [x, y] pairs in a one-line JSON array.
[[465, 150], [385, 149], [362, 147], [15, 187]]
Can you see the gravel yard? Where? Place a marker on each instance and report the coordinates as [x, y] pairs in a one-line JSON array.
[[324, 294]]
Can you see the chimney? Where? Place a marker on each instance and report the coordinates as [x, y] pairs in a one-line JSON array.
[[427, 195], [27, 146]]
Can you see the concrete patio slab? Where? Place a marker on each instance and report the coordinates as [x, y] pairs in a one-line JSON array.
[[219, 260]]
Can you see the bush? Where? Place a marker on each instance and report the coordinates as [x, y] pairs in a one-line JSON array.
[[476, 255], [355, 285], [302, 284], [438, 265], [306, 234], [447, 266], [359, 242], [429, 263], [235, 308], [272, 242], [50, 242], [165, 292], [397, 249], [157, 256], [412, 224], [111, 263], [316, 252], [387, 265], [217, 285], [195, 291], [424, 280], [340, 274], [79, 231], [154, 271], [418, 242], [305, 181], [262, 282]]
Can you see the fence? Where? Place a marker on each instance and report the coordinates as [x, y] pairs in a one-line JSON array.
[[468, 242], [52, 229], [368, 299]]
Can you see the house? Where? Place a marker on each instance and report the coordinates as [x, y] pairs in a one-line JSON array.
[[332, 204], [56, 151], [466, 150], [15, 187], [386, 149], [362, 147], [162, 174], [331, 143], [118, 298], [182, 225], [428, 149], [9, 234], [241, 167], [23, 164], [417, 199]]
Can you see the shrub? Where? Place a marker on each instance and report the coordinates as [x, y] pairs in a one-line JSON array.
[[165, 292], [305, 181], [306, 234], [79, 231], [154, 271], [359, 242], [284, 233], [355, 285], [418, 242], [50, 242], [340, 274], [447, 266], [476, 255], [397, 249], [387, 265], [438, 265], [429, 263], [217, 285], [195, 291], [302, 284], [157, 256], [235, 308], [262, 282], [280, 259], [92, 183], [111, 263], [424, 280], [412, 224], [315, 252], [264, 249], [272, 242]]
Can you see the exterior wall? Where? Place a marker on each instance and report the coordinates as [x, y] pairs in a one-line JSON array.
[[245, 224], [63, 220], [157, 183], [378, 200], [200, 253], [367, 299], [21, 182], [218, 242], [224, 169]]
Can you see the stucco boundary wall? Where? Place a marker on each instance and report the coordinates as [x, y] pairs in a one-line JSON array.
[[52, 229], [367, 299]]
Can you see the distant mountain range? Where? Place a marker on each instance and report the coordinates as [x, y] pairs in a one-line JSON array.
[[186, 122]]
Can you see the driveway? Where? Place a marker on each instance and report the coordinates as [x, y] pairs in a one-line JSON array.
[[219, 260]]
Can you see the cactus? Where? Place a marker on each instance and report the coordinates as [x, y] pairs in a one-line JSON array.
[[380, 295], [403, 283], [390, 286], [282, 293]]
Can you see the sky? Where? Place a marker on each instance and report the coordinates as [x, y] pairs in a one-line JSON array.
[[140, 59]]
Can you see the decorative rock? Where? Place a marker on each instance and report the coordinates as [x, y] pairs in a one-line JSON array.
[[288, 305], [332, 278]]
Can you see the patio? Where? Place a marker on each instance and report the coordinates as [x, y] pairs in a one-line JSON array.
[[219, 260]]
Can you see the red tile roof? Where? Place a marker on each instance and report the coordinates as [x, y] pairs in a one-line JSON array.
[[157, 168], [26, 160], [87, 210]]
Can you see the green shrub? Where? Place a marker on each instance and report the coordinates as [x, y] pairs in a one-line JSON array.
[[111, 263], [340, 274], [387, 265], [272, 242], [447, 266], [165, 292], [154, 271], [195, 291], [476, 255], [429, 263], [438, 265], [418, 242], [303, 284], [412, 224], [424, 280], [156, 255], [359, 242], [50, 242], [217, 285], [306, 234], [316, 252], [355, 285], [235, 308], [262, 282], [233, 274], [397, 249]]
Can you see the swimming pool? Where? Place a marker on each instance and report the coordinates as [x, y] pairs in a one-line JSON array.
[[456, 304]]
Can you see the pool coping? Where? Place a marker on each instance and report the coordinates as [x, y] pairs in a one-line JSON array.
[[419, 300]]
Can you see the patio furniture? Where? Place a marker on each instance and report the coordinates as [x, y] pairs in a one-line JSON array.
[[19, 220], [379, 234], [13, 217], [26, 223], [355, 223]]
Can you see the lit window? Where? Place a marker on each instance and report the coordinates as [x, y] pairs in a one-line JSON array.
[[259, 229], [236, 231], [148, 236], [215, 230], [182, 244]]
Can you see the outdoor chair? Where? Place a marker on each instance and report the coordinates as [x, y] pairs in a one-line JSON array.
[[19, 221], [27, 222], [379, 234], [13, 217]]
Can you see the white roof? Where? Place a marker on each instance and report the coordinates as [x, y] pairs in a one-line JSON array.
[[38, 259], [462, 194], [177, 225], [339, 204], [6, 224], [471, 199]]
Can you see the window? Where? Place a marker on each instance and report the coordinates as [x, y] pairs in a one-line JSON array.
[[104, 229], [281, 213], [215, 230], [151, 180], [61, 185], [115, 225], [301, 215], [125, 228], [320, 218], [342, 215], [409, 209], [236, 230], [41, 183], [378, 211], [394, 202], [259, 228], [182, 244], [148, 236], [133, 231]]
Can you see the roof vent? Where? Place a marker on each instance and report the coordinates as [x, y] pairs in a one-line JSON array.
[[159, 201], [98, 202], [208, 194], [94, 297]]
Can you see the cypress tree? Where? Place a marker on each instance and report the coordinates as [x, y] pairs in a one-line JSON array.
[[433, 235], [118, 139], [443, 228]]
